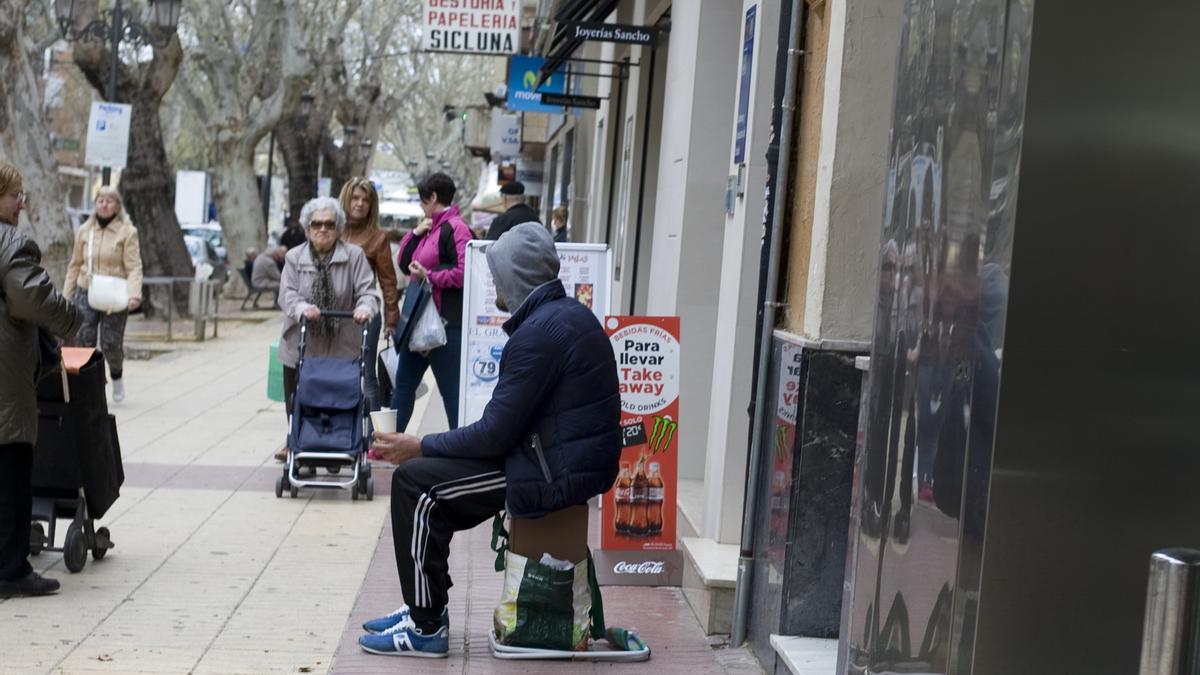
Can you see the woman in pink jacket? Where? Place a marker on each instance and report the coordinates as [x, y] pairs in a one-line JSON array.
[[435, 250]]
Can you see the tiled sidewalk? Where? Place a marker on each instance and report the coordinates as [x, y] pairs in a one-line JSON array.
[[212, 574], [659, 615]]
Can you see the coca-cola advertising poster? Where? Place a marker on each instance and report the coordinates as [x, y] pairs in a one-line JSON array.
[[637, 537]]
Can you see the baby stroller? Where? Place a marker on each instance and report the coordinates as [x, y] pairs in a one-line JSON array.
[[77, 469], [328, 424]]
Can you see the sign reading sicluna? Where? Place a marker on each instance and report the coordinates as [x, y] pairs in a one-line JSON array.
[[637, 531], [472, 26]]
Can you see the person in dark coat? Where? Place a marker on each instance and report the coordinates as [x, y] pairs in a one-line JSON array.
[[293, 234], [516, 211], [548, 439], [28, 302]]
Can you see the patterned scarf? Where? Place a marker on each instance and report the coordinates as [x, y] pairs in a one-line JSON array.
[[322, 291]]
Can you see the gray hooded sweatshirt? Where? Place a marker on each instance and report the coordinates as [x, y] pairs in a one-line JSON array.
[[523, 259]]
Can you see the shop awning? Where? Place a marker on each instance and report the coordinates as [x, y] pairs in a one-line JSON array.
[[562, 45]]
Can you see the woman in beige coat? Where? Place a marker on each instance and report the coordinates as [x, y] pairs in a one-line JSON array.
[[115, 252], [323, 274]]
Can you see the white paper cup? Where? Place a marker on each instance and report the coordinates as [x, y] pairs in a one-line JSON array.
[[384, 420]]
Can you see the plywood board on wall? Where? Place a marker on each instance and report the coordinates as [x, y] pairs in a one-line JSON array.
[[804, 169]]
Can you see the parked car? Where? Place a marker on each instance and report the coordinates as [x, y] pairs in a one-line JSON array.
[[203, 252], [212, 233], [77, 217]]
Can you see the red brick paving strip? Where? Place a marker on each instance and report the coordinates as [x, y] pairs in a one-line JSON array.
[[660, 615]]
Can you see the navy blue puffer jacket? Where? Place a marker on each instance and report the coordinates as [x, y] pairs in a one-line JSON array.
[[555, 413]]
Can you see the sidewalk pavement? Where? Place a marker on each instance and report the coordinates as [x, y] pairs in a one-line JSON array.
[[213, 574]]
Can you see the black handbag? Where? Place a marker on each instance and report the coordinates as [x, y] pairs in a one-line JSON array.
[[415, 298]]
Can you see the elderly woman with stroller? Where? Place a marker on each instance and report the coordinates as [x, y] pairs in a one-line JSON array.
[[28, 303], [325, 273]]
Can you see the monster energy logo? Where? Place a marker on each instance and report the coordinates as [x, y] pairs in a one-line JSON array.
[[781, 434], [663, 434]]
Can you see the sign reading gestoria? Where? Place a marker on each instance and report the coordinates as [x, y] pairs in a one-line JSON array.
[[613, 32], [472, 26]]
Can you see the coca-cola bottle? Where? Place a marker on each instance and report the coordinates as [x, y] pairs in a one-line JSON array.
[[637, 521], [655, 494], [622, 498]]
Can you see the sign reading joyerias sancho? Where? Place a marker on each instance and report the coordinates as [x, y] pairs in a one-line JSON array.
[[647, 36], [637, 539], [472, 26]]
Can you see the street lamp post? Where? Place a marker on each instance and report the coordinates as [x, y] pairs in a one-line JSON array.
[[114, 27]]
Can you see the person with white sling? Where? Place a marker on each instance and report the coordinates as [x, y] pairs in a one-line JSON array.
[[104, 278]]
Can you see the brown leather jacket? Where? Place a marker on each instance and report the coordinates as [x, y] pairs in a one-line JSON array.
[[379, 254], [27, 300]]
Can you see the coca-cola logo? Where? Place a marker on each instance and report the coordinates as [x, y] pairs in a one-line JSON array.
[[648, 567]]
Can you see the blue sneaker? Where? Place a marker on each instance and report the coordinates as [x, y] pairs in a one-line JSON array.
[[408, 642], [400, 618]]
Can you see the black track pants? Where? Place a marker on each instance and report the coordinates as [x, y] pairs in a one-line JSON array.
[[432, 498]]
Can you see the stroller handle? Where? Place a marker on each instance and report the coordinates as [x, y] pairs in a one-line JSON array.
[[334, 314]]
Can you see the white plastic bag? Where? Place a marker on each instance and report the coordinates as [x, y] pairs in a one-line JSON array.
[[429, 332], [389, 360]]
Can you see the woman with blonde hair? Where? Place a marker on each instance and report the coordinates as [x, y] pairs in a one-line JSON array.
[[106, 248], [360, 201]]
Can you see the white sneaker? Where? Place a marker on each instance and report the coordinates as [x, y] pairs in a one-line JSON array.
[[118, 390]]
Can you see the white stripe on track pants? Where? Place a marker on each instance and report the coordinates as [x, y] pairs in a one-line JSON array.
[[432, 498]]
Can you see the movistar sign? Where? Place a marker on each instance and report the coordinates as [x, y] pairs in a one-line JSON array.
[[523, 74]]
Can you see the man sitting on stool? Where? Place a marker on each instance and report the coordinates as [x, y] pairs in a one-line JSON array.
[[548, 439]]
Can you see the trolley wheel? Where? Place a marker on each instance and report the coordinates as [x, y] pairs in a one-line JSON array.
[[334, 468], [354, 492], [102, 544], [75, 548], [370, 489], [37, 538], [279, 487], [295, 492]]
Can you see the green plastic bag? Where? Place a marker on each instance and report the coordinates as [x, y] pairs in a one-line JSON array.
[[274, 373], [542, 607]]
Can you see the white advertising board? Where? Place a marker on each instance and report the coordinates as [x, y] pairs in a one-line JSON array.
[[506, 134], [108, 135], [585, 272], [472, 26], [191, 197]]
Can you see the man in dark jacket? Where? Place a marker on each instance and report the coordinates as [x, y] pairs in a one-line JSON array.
[[548, 439], [28, 301], [516, 210]]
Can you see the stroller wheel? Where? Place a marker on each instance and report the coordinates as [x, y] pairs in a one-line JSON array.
[[279, 487], [354, 492], [102, 544], [295, 492], [37, 538], [370, 489], [335, 468], [75, 549]]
